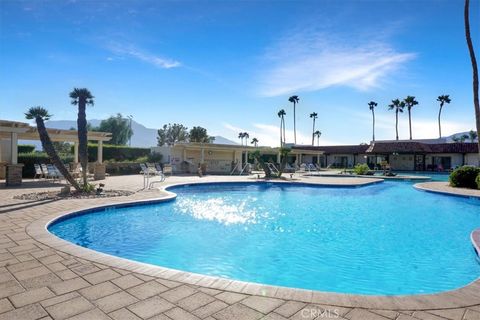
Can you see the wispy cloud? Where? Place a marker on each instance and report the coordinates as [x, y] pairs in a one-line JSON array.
[[312, 60], [142, 55]]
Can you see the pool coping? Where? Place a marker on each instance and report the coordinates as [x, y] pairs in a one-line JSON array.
[[466, 296]]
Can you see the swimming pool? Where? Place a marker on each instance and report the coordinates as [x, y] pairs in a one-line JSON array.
[[387, 238]]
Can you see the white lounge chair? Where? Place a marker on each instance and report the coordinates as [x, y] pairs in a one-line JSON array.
[[38, 172]]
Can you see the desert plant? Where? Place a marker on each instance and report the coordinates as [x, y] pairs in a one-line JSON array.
[[361, 168], [398, 106], [445, 98], [294, 100], [371, 106], [464, 177], [40, 114], [81, 98]]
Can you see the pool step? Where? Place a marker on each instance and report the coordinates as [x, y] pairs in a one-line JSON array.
[[475, 236]]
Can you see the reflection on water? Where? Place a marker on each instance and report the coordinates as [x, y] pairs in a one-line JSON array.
[[217, 209]]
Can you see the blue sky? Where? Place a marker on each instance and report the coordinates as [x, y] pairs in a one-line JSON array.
[[230, 66]]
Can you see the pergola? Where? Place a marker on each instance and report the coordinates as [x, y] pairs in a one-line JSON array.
[[13, 131]]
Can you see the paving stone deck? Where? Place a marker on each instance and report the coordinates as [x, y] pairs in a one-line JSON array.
[[38, 281]]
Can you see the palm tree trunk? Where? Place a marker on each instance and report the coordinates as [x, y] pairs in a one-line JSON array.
[[281, 138], [373, 127], [82, 139], [50, 150], [396, 123], [476, 102], [410, 122], [439, 124], [284, 138], [294, 124], [313, 132]]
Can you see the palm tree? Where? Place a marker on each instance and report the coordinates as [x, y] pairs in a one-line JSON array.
[[398, 106], [371, 106], [281, 114], [476, 101], [246, 136], [254, 142], [317, 134], [314, 116], [409, 103], [81, 97], [445, 98], [472, 135], [294, 100], [40, 115], [241, 136]]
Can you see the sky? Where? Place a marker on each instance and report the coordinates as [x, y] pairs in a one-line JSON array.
[[229, 66]]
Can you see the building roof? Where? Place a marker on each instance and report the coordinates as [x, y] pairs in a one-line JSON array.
[[27, 132], [347, 149], [422, 148]]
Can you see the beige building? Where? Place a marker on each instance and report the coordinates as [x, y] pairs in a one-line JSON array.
[[12, 131], [224, 158], [417, 155]]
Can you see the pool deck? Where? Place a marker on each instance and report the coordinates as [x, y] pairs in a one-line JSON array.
[[43, 277], [444, 188]]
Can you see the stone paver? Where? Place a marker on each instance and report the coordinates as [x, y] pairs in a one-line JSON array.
[[38, 281]]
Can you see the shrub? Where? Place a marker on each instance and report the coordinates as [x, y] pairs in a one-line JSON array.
[[361, 168], [478, 181], [26, 148], [464, 177], [116, 153], [155, 157], [29, 159]]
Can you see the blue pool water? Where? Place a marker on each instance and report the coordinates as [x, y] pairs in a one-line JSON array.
[[387, 238]]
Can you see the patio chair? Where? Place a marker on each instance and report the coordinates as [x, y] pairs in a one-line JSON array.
[[38, 172], [53, 172], [46, 174]]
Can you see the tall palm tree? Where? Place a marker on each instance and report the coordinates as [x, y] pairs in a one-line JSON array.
[[241, 136], [473, 59], [281, 114], [40, 115], [409, 103], [294, 100], [445, 98], [254, 142], [398, 106], [81, 97], [371, 106], [317, 134], [314, 116], [246, 136]]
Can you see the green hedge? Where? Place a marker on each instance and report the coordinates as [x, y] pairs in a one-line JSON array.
[[29, 159], [26, 148], [478, 181], [464, 177], [116, 153]]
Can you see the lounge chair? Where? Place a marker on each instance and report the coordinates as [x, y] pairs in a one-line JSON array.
[[38, 172]]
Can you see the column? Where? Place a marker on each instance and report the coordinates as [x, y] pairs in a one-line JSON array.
[[299, 159], [75, 152], [184, 155], [14, 148], [202, 156], [279, 157], [100, 152]]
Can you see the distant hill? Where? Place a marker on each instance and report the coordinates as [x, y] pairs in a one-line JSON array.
[[142, 136], [459, 134]]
